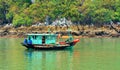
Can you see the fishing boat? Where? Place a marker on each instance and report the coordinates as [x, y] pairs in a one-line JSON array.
[[48, 41]]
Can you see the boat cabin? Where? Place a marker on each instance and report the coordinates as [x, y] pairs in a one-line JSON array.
[[42, 38]]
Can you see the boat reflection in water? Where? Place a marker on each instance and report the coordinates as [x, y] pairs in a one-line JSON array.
[[48, 60]]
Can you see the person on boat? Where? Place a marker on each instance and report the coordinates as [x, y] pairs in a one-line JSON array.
[[70, 39], [25, 41], [58, 37], [29, 41]]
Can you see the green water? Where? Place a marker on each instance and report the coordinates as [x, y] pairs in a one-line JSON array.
[[88, 54]]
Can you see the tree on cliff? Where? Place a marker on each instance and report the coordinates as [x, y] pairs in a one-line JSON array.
[[24, 12]]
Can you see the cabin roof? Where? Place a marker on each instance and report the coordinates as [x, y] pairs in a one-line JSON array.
[[40, 34]]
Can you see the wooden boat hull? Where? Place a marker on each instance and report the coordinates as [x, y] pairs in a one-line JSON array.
[[47, 47]]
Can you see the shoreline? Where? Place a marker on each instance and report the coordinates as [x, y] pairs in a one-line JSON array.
[[63, 37], [77, 31]]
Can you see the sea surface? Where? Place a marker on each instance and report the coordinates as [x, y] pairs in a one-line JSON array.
[[88, 54]]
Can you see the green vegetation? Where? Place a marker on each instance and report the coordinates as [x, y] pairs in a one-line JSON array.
[[24, 12]]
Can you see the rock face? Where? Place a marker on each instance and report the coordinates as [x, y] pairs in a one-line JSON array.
[[61, 22]]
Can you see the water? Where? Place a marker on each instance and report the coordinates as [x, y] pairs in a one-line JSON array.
[[89, 54]]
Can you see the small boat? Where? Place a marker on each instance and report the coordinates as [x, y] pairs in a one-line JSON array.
[[47, 41]]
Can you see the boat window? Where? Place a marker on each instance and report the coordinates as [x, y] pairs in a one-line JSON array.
[[29, 38], [43, 39], [49, 37], [53, 37], [35, 37]]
